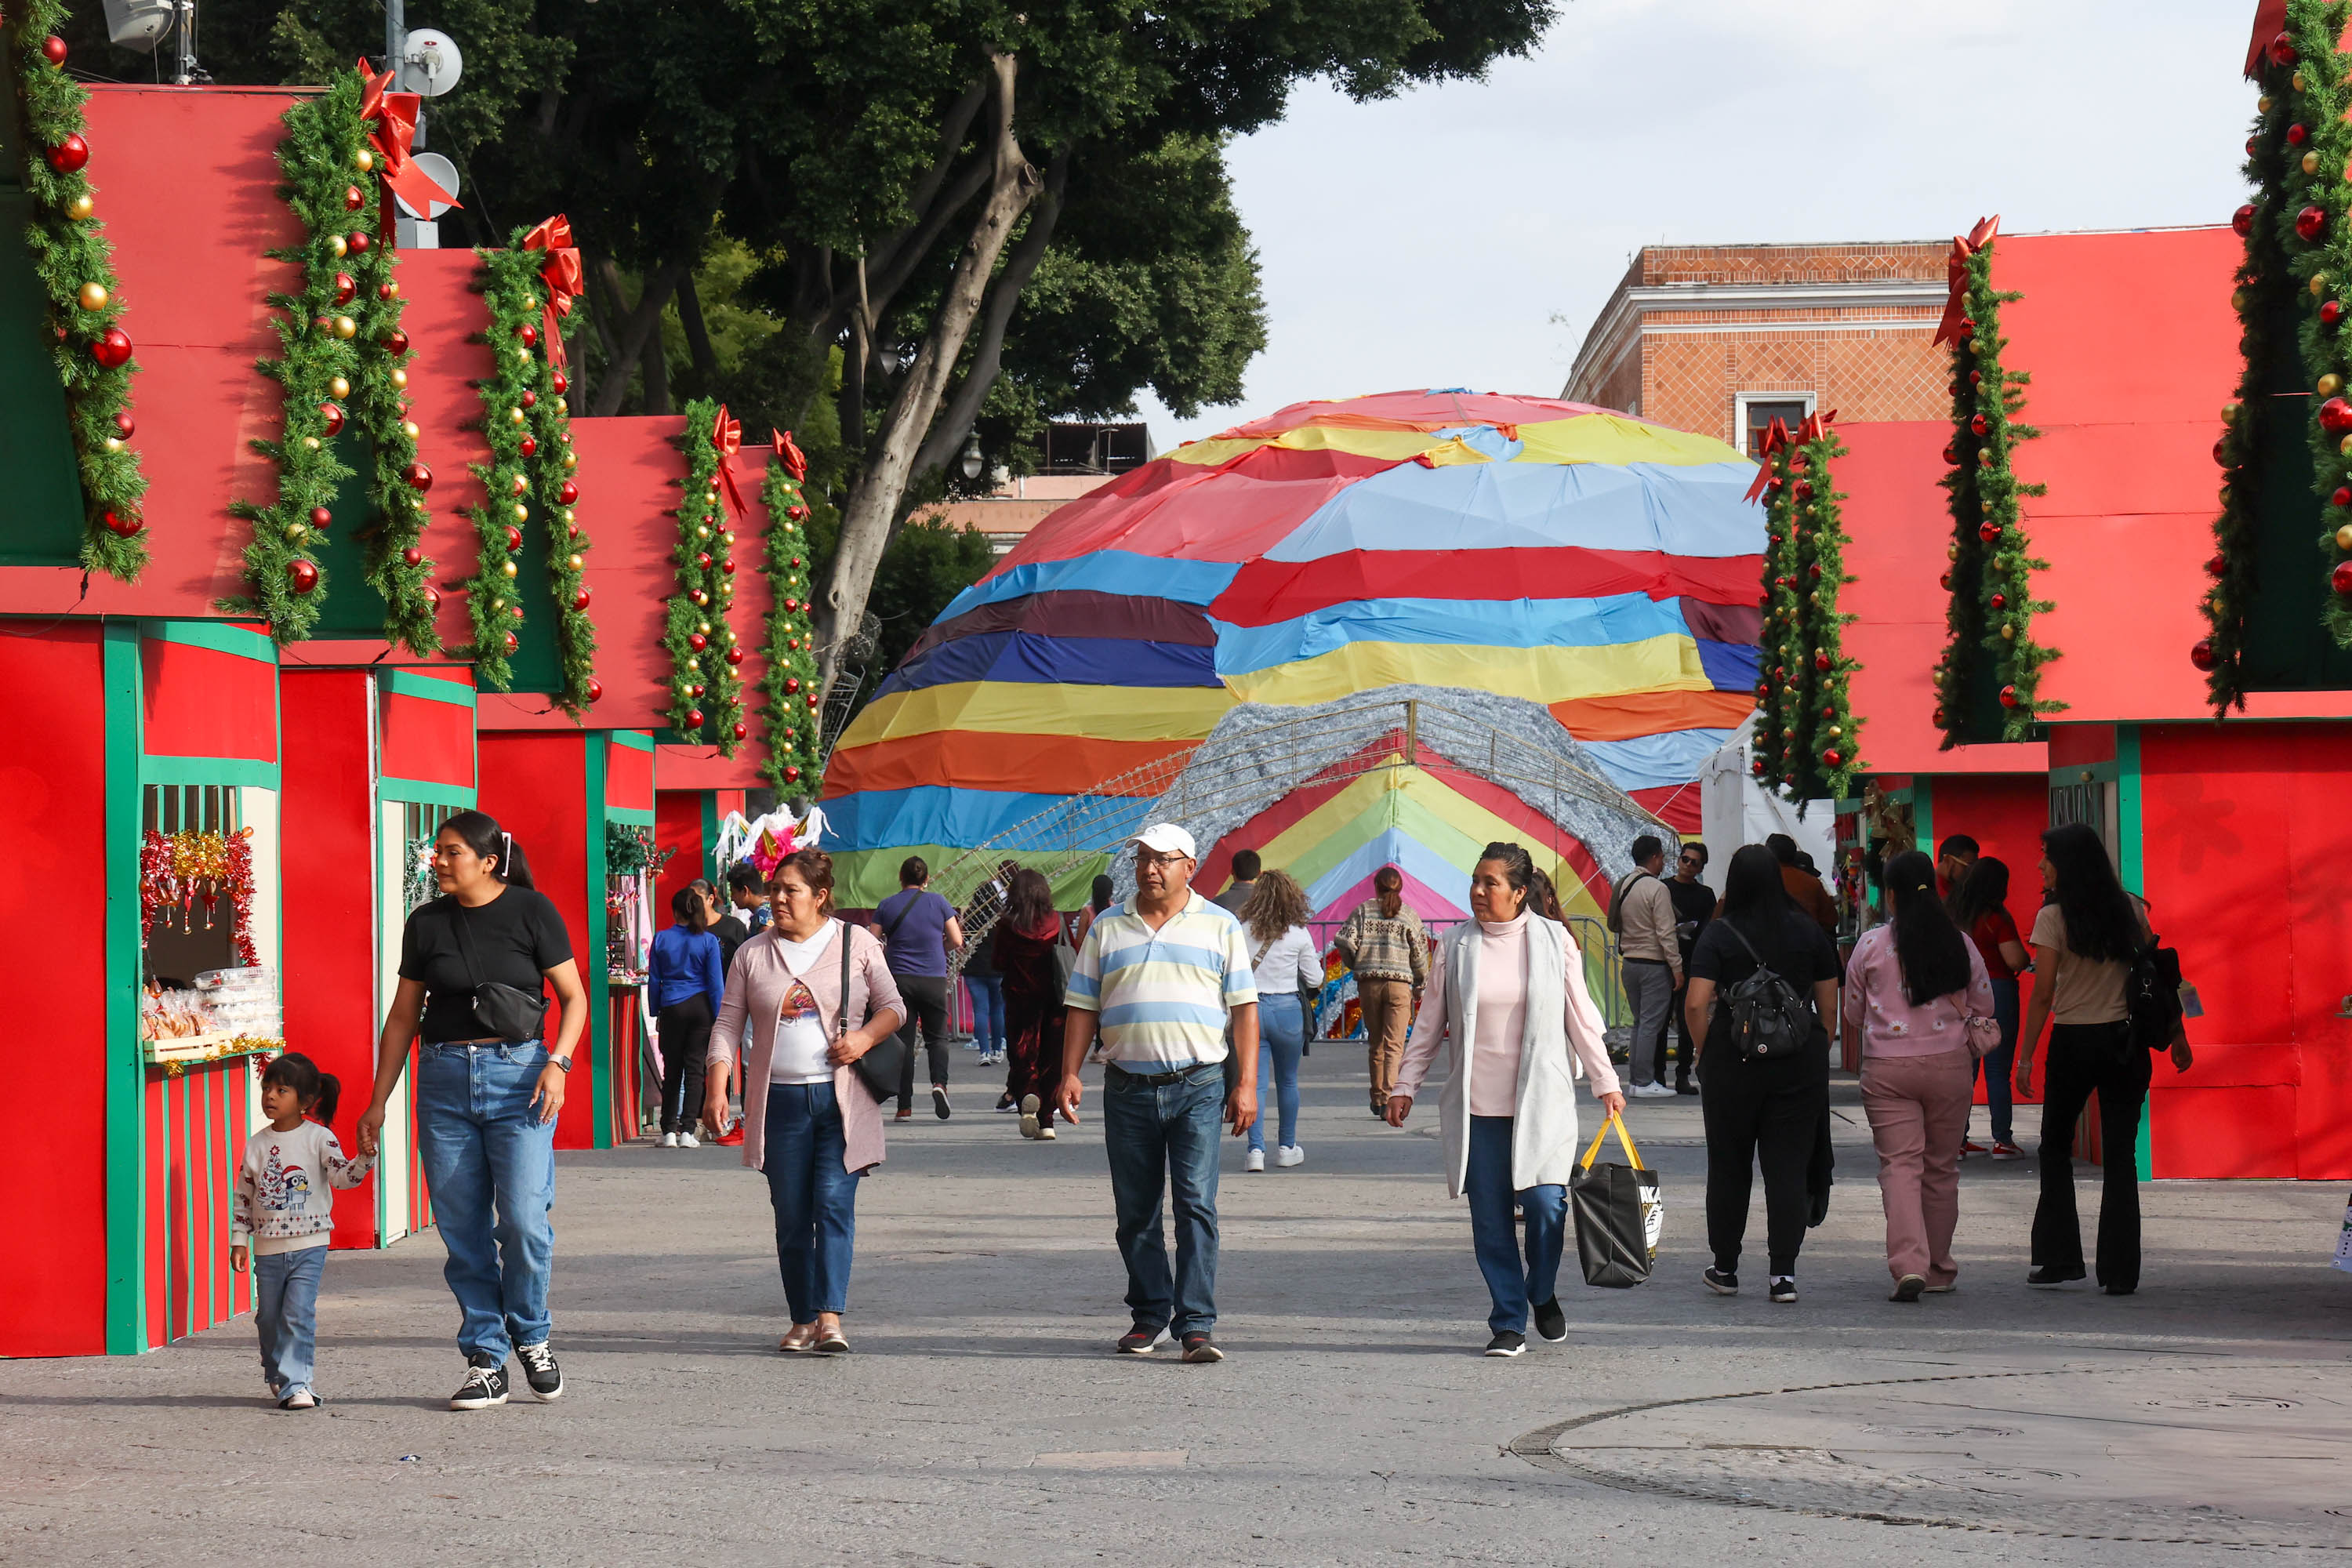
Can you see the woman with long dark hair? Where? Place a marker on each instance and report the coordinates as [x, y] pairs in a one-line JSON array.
[[688, 976], [1764, 1113], [1980, 906], [1911, 989], [1284, 960], [1508, 1002], [2083, 942], [1385, 944], [474, 966], [1025, 939]]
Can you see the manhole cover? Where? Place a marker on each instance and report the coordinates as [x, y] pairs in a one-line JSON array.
[[2151, 1453]]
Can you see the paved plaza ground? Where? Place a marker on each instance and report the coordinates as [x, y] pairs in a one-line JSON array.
[[983, 1420]]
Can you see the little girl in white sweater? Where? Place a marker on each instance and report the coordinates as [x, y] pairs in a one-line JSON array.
[[285, 1215]]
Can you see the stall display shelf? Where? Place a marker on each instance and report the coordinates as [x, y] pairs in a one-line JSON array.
[[177, 1054]]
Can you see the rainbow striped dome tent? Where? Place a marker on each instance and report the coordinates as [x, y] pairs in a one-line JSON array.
[[1600, 566]]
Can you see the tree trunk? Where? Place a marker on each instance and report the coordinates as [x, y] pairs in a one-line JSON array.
[[698, 336], [643, 321], [881, 483], [653, 365], [1003, 295]]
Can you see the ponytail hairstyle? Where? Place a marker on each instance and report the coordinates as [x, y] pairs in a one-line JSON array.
[[1389, 882], [815, 867], [1929, 948], [319, 1092], [1543, 898], [486, 839], [688, 906]]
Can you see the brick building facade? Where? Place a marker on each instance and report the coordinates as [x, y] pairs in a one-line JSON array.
[[1719, 339]]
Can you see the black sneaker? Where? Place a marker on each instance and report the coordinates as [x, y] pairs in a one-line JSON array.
[[1507, 1343], [1201, 1348], [1550, 1321], [1784, 1289], [539, 1370], [485, 1384], [1721, 1283], [940, 1106], [1139, 1339], [2054, 1276]]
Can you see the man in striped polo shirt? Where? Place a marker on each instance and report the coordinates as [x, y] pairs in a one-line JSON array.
[[1159, 976]]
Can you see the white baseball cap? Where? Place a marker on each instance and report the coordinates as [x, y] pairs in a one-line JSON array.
[[1168, 839]]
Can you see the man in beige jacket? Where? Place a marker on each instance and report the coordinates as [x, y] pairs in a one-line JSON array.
[[1642, 915]]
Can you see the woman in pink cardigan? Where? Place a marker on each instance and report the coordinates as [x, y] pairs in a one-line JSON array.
[[816, 1130]]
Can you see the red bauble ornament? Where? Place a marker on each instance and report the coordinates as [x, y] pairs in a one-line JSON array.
[[796, 511], [2001, 601], [333, 417], [2343, 496], [694, 718], [596, 690], [563, 384], [696, 641], [529, 398], [1946, 581], [387, 291], [694, 691], [792, 773], [734, 656], [358, 242], [1988, 532], [2217, 567], [354, 198], [2221, 451], [124, 425], [2335, 416], [792, 683], [2296, 135], [728, 567], [2283, 49], [2311, 222], [1967, 327], [1833, 758], [320, 517], [580, 600], [811, 702], [521, 485], [529, 446], [529, 334], [346, 286], [70, 154], [1822, 663], [566, 494], [2200, 653], [514, 537], [2341, 578], [413, 555], [53, 49], [419, 477], [1940, 724], [740, 730], [395, 341], [1979, 425], [702, 558], [2243, 220], [112, 348], [1804, 490], [433, 598], [512, 643], [2009, 696], [118, 522], [1951, 454], [1757, 767], [302, 575]]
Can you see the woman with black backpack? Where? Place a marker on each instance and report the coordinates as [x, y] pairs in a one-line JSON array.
[[1763, 983], [2084, 939]]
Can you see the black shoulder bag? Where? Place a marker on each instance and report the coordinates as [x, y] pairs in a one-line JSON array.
[[507, 1012], [878, 1068]]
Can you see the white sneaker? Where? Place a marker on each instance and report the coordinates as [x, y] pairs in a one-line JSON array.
[[1254, 1161], [669, 1140], [689, 1140], [1652, 1091], [1290, 1154]]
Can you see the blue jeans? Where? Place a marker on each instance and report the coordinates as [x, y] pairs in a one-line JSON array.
[[489, 1163], [1156, 1134], [987, 1011], [286, 1309], [1999, 1062], [1282, 1033], [815, 1199], [1488, 1188]]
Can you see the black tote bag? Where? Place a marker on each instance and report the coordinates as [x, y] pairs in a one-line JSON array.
[[879, 1067], [1617, 1211]]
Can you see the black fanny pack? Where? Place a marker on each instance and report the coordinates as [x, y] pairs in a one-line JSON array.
[[507, 1012]]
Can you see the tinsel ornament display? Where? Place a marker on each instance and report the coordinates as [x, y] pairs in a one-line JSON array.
[[705, 695], [344, 361], [179, 870], [1990, 614], [530, 478], [790, 680], [71, 256]]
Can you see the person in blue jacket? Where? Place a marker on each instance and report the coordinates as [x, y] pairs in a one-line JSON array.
[[688, 981]]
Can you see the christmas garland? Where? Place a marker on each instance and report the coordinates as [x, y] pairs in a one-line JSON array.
[[1773, 745], [631, 851], [1991, 608], [76, 266], [526, 420], [344, 357], [790, 682], [706, 696], [1804, 745]]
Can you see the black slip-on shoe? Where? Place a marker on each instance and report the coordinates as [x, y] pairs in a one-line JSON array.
[[1202, 1348], [1550, 1321], [1507, 1343], [1719, 1282], [2054, 1276], [1139, 1339]]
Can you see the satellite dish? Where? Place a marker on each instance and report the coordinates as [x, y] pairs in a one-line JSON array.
[[442, 173], [430, 63]]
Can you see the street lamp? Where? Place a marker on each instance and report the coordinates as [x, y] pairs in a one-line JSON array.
[[971, 457]]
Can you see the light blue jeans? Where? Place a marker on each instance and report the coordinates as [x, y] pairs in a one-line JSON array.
[[815, 1198], [1282, 1035], [987, 1012], [286, 1310], [489, 1163], [1158, 1136]]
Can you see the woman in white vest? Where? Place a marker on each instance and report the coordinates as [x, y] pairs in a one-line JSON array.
[[1510, 984]]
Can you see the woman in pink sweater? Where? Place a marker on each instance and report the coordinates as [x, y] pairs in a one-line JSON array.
[[1917, 993]]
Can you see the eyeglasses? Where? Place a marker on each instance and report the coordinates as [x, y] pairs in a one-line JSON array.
[[1144, 857]]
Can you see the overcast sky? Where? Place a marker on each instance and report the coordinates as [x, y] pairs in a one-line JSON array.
[[1432, 240]]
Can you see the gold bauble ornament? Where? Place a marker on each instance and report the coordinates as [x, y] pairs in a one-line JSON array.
[[2345, 445], [571, 460], [81, 207], [514, 415], [2297, 80], [408, 428], [574, 562], [2318, 284], [569, 517], [2230, 412], [297, 532], [563, 405], [2330, 384], [92, 296], [2237, 299], [399, 379], [1952, 551], [522, 512], [509, 568], [701, 532], [2311, 163], [346, 328], [2010, 633], [2264, 103], [2344, 537], [310, 443], [338, 387], [702, 627], [335, 245], [364, 161], [114, 443], [1835, 732]]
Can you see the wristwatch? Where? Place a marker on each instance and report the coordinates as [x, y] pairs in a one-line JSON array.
[[563, 1062]]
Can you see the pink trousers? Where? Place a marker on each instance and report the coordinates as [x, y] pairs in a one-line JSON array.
[[1918, 1109]]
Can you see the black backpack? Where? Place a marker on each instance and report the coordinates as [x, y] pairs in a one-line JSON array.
[[2152, 994], [1770, 1019]]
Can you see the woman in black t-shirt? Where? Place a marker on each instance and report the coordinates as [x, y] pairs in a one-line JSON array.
[[1759, 1113], [474, 965]]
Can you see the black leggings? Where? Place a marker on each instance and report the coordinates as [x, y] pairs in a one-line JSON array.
[[1766, 1114], [2087, 1060], [684, 1038], [926, 996]]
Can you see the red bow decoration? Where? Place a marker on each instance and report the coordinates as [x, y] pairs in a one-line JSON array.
[[394, 116], [2270, 20], [1815, 426], [1955, 276], [562, 276], [795, 464], [727, 439], [1776, 436]]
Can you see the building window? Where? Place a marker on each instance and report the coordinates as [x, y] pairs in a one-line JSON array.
[[1757, 412]]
